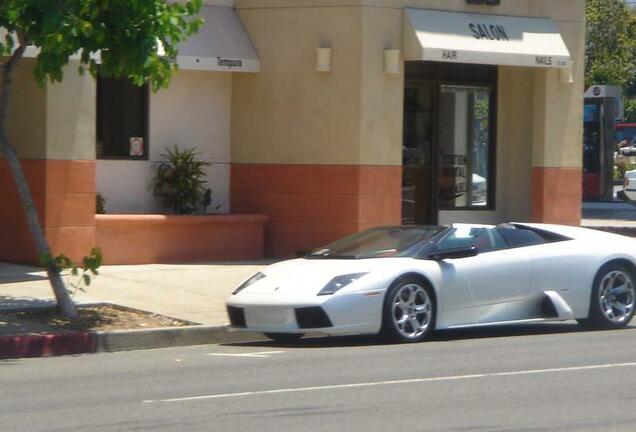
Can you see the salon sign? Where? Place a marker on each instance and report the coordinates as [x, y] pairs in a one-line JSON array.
[[483, 39]]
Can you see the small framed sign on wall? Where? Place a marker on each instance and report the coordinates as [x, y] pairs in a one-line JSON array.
[[136, 146], [484, 2]]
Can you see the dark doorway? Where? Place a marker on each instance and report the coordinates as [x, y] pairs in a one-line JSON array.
[[419, 173], [448, 140]]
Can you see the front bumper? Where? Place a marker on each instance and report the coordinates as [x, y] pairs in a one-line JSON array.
[[354, 313], [304, 318]]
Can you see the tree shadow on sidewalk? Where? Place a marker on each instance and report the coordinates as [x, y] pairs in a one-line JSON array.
[[13, 273], [12, 304], [11, 324]]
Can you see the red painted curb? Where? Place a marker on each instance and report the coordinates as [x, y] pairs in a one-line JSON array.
[[46, 345]]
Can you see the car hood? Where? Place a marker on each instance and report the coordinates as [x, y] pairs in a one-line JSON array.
[[305, 276]]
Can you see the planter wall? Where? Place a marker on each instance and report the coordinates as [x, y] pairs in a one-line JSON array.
[[146, 239]]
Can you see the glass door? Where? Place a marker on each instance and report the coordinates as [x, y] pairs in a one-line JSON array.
[[463, 140], [419, 181]]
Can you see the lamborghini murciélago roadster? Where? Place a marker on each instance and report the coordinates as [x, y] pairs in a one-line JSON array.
[[404, 282]]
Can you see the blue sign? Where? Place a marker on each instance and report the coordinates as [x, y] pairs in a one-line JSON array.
[[590, 113]]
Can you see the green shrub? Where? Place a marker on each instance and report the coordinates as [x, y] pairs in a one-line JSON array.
[[630, 110], [180, 180], [100, 204], [620, 168]]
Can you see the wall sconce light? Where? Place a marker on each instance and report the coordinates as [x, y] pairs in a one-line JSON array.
[[323, 59], [392, 61], [566, 74]]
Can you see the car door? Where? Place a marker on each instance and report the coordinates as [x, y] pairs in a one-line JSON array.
[[568, 268], [492, 286]]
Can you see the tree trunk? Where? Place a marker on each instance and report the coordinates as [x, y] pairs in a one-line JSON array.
[[64, 302]]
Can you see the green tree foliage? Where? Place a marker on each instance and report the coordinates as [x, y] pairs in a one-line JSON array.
[[610, 51], [134, 38], [630, 111], [137, 39], [81, 274]]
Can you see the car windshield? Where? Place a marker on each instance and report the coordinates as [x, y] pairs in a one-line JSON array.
[[378, 243]]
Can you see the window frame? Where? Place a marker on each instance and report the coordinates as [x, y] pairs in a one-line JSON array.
[[454, 230], [446, 74], [549, 237], [145, 117]]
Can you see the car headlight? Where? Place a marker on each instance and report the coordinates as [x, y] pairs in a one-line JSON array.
[[340, 282], [258, 276]]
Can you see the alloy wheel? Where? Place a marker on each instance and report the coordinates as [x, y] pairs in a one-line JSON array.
[[617, 296], [412, 310]]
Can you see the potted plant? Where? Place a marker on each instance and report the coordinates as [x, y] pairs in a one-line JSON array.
[[180, 180]]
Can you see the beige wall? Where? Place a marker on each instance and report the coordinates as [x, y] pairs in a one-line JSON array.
[[290, 113], [381, 95], [353, 115], [56, 121], [558, 118], [193, 112], [27, 115], [514, 143], [565, 10], [70, 120]]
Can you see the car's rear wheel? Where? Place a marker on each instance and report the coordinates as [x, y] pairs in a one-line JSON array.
[[409, 311], [285, 337], [613, 298]]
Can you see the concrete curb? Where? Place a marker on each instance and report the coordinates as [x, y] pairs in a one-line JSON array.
[[66, 343], [46, 345], [126, 340]]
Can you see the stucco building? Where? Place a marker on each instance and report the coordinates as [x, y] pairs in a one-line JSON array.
[[325, 116]]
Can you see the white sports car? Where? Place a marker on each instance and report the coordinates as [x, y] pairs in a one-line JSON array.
[[404, 282]]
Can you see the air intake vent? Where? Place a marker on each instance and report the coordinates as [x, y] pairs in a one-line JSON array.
[[237, 316], [312, 317]]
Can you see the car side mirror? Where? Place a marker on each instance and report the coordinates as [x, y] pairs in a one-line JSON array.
[[455, 253]]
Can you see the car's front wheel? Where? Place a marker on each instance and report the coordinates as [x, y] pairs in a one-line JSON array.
[[284, 337], [409, 311], [613, 298]]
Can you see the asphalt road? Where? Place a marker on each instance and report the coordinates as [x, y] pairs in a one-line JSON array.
[[542, 378]]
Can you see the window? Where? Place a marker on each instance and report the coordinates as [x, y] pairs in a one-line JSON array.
[[520, 236], [122, 119], [464, 139], [485, 239], [378, 243]]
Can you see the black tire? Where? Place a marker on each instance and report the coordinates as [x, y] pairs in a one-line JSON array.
[[597, 318], [285, 337], [391, 330]]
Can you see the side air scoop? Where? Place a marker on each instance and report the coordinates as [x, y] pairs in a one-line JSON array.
[[555, 307]]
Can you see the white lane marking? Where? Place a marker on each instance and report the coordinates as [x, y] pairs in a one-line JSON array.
[[395, 382], [262, 354]]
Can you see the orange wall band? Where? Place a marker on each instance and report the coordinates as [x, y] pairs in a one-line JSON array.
[[311, 205], [63, 192], [556, 195], [179, 238]]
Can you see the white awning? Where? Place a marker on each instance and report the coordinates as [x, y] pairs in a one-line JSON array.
[[222, 44], [483, 39]]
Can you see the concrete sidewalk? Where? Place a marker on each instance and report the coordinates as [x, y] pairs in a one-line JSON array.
[[192, 292], [617, 217]]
